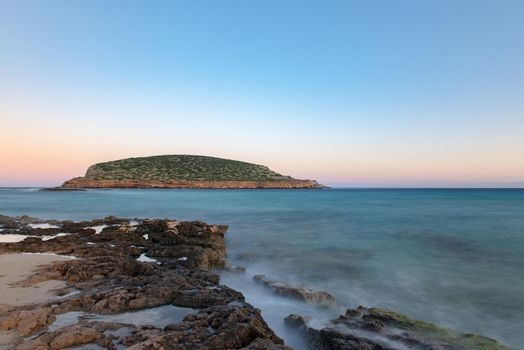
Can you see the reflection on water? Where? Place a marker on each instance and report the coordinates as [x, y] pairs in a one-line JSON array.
[[160, 317]]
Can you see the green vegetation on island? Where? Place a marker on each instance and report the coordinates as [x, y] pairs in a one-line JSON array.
[[182, 168]]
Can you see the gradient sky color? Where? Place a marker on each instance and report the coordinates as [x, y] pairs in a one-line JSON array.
[[352, 93]]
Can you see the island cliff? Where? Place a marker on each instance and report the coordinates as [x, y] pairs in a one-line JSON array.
[[184, 171]]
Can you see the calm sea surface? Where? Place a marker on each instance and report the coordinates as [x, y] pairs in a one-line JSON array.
[[454, 257]]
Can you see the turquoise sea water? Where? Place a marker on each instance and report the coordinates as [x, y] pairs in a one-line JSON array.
[[454, 257]]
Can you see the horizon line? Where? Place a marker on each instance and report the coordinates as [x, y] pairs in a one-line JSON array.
[[327, 188]]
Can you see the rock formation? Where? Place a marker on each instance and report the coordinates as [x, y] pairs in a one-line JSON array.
[[124, 267], [320, 298], [110, 278], [379, 329]]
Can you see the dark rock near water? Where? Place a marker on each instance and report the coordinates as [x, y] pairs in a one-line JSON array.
[[133, 266], [236, 326], [126, 265], [235, 269], [296, 321], [61, 189], [8, 222], [379, 329], [320, 298]]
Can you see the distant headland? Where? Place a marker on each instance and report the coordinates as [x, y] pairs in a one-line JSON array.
[[184, 171]]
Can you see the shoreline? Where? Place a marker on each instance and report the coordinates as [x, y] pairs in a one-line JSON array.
[[83, 189], [86, 182], [127, 274], [133, 265]]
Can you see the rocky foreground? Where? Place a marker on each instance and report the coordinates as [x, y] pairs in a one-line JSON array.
[[128, 267], [128, 272]]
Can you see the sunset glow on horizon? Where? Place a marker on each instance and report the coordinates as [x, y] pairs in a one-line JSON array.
[[378, 94]]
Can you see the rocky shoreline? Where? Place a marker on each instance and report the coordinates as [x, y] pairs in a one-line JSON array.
[[150, 284], [131, 266], [85, 182]]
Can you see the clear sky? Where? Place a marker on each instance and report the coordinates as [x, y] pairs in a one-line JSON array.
[[353, 93]]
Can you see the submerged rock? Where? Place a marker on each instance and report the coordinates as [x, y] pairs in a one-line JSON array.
[[380, 329], [234, 269], [60, 189], [321, 298]]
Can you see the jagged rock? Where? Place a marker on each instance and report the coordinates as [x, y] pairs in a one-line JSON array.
[[379, 329], [25, 220], [75, 335], [26, 322], [220, 327], [8, 222], [321, 298], [296, 321], [108, 278]]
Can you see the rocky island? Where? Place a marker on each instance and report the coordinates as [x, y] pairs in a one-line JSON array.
[[117, 283], [184, 171]]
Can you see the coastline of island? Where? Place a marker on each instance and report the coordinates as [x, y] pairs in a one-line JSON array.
[[185, 172], [83, 182]]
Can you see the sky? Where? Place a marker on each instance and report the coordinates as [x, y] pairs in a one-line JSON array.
[[351, 93]]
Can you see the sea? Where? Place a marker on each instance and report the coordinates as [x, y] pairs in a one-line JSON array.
[[454, 257]]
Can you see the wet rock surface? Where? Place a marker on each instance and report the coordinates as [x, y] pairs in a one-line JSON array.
[[380, 329], [126, 266], [320, 298], [110, 276]]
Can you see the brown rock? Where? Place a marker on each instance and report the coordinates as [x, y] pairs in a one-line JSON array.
[[26, 322], [107, 279], [74, 335], [83, 182], [321, 298], [221, 327]]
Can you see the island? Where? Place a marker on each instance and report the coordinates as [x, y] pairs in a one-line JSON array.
[[185, 171]]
